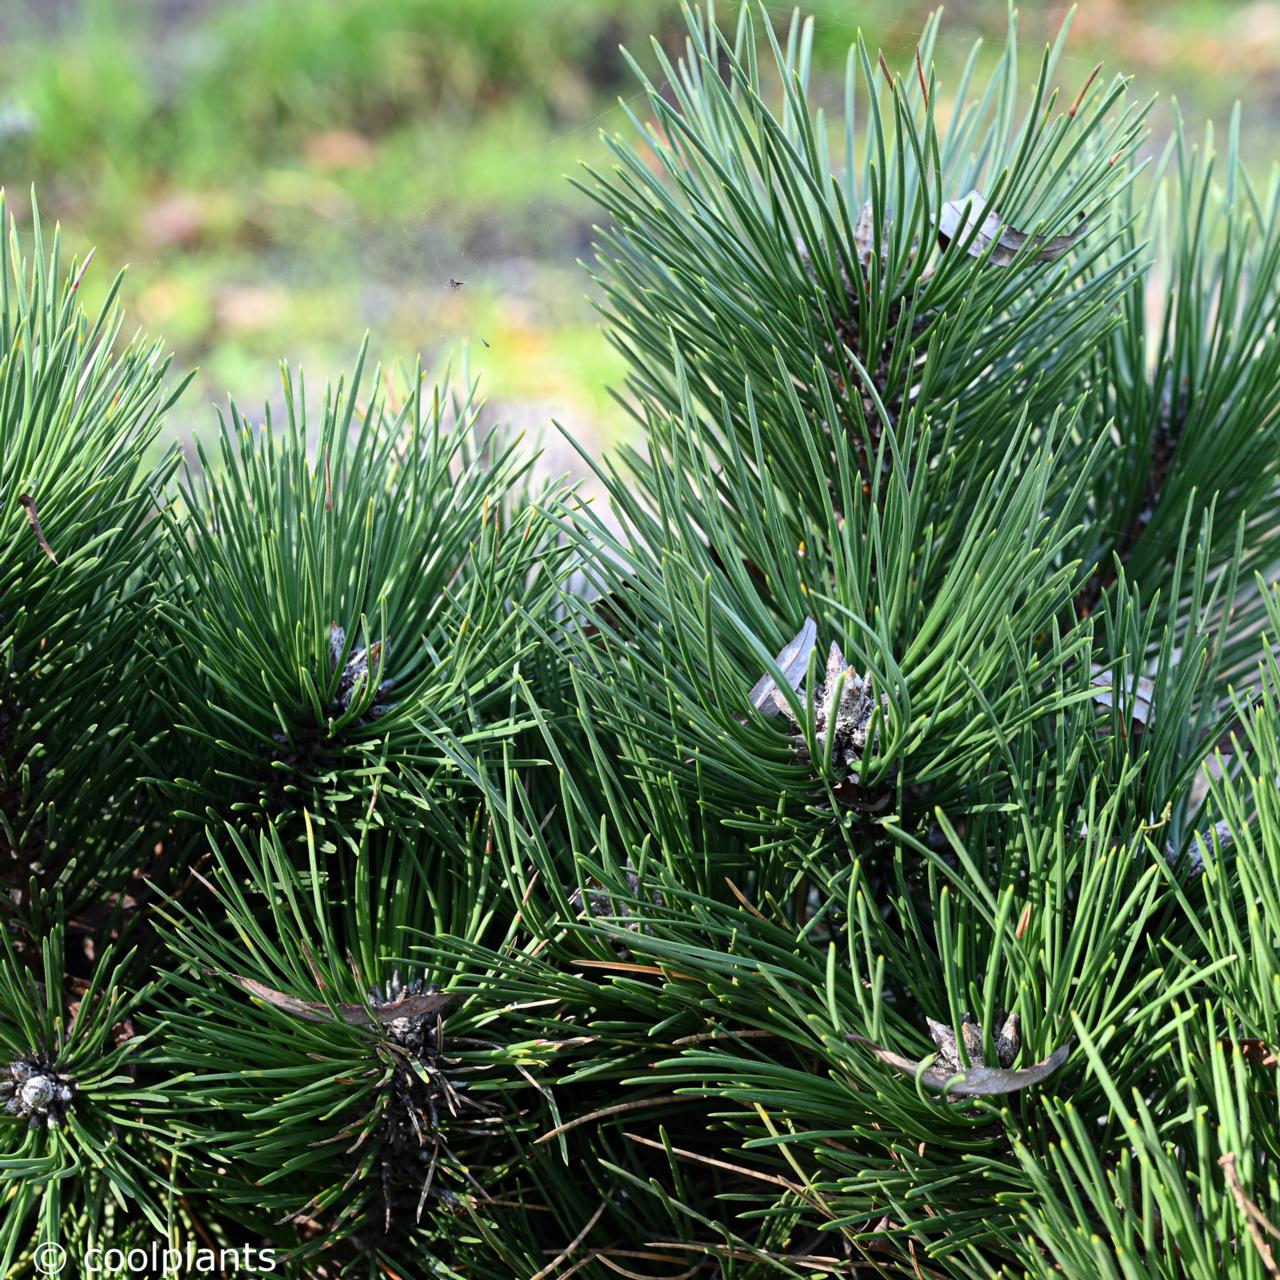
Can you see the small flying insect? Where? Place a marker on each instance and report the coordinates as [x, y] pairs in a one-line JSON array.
[[456, 284]]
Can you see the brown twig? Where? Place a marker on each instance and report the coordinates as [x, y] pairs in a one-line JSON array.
[[1253, 1216], [33, 518], [607, 1259], [568, 1250], [742, 898], [703, 1036], [617, 1109], [1075, 106], [915, 1261], [1023, 921], [801, 1193], [625, 966], [811, 1261], [84, 266]]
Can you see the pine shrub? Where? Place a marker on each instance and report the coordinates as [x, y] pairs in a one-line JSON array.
[[850, 845]]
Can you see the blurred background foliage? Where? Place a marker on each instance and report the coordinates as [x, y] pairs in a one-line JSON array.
[[282, 175]]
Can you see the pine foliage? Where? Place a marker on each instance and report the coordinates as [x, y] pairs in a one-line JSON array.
[[81, 414], [849, 846]]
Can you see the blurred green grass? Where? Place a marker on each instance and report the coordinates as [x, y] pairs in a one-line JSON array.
[[284, 174]]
